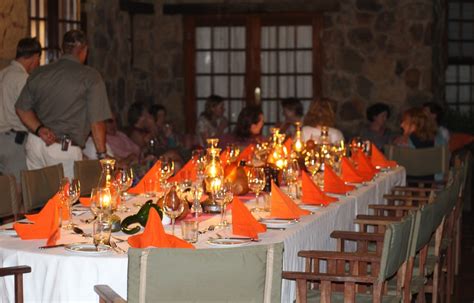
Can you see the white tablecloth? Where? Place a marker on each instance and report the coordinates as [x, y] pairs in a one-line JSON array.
[[60, 276]]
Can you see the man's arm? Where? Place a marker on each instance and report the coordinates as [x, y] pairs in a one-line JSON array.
[[31, 121], [98, 134]]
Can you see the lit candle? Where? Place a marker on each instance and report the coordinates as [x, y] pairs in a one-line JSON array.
[[105, 200]]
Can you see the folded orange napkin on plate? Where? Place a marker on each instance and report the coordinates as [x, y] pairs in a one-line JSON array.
[[188, 172], [311, 192], [283, 206], [154, 235], [243, 223], [45, 225], [334, 184], [246, 154], [364, 167], [153, 172], [288, 143], [349, 172], [55, 200], [378, 159]]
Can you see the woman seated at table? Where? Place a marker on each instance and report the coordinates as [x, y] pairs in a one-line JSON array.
[[377, 131], [248, 129], [320, 115], [211, 123], [141, 124], [292, 112], [419, 130]]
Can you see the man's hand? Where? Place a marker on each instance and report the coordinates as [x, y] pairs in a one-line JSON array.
[[47, 135]]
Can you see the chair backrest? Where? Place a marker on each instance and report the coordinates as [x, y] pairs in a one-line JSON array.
[[420, 161], [240, 274], [88, 174], [8, 198], [395, 246], [440, 206], [423, 228], [39, 185]]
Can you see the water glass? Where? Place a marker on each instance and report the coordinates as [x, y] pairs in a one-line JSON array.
[[190, 230], [101, 230], [151, 187]]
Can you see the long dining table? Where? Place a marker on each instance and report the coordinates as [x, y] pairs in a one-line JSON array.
[[59, 275]]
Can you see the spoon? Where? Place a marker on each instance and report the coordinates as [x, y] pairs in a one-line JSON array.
[[79, 231]]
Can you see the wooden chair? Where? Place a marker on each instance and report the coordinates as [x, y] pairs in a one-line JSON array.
[[420, 162], [88, 174], [342, 268], [9, 202], [39, 185], [17, 272], [240, 274]]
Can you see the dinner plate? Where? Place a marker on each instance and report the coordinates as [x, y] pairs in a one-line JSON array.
[[278, 223], [225, 242], [87, 248], [309, 207]]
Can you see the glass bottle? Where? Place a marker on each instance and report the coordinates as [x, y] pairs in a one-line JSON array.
[[107, 174]]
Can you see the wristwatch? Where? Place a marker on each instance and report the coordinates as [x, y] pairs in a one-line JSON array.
[[101, 155]]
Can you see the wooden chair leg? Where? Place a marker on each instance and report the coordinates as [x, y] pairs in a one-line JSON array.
[[18, 288], [301, 291], [458, 244]]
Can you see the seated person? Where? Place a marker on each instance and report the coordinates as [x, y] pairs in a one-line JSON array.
[[122, 146], [320, 114], [211, 123], [435, 112], [141, 125], [164, 132], [248, 129], [292, 112], [377, 131]]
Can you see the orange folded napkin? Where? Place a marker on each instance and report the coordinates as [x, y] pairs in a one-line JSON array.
[[288, 143], [243, 223], [154, 235], [153, 172], [364, 167], [378, 158], [283, 206], [45, 225], [334, 184], [349, 172], [311, 192], [56, 201], [246, 153], [85, 201], [187, 172]]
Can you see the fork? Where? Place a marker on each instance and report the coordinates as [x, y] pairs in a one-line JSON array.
[[116, 248]]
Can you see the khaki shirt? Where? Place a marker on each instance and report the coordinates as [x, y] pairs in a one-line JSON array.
[[12, 80], [67, 97]]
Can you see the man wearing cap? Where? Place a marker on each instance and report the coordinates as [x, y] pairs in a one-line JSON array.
[[61, 104], [12, 132]]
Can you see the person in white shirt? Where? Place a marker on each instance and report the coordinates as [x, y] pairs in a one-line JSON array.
[[12, 131], [320, 114]]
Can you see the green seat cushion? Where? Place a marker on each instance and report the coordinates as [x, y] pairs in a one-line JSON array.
[[315, 296]]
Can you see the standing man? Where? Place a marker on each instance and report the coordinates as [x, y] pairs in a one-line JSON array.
[[60, 104], [12, 132]]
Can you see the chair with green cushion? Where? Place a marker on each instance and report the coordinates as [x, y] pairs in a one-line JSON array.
[[88, 174], [9, 202], [420, 162], [39, 185], [241, 274], [342, 268]]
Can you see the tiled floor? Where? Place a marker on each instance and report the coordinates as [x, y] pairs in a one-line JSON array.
[[464, 284]]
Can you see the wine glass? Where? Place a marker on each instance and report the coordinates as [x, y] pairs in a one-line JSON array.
[[124, 179], [173, 206], [233, 152], [223, 197], [71, 193], [312, 162], [63, 198], [256, 181], [196, 193], [290, 175], [101, 202], [199, 160]]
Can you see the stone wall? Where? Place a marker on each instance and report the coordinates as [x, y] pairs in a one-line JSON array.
[[13, 27]]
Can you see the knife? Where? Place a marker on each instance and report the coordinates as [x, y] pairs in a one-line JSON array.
[[51, 246]]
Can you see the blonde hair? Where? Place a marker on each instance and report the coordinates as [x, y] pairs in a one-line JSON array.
[[320, 113], [425, 127]]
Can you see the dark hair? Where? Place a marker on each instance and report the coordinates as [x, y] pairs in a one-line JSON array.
[[248, 115], [135, 111], [294, 105], [211, 102], [27, 47], [155, 108], [435, 109], [72, 39], [376, 109]]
